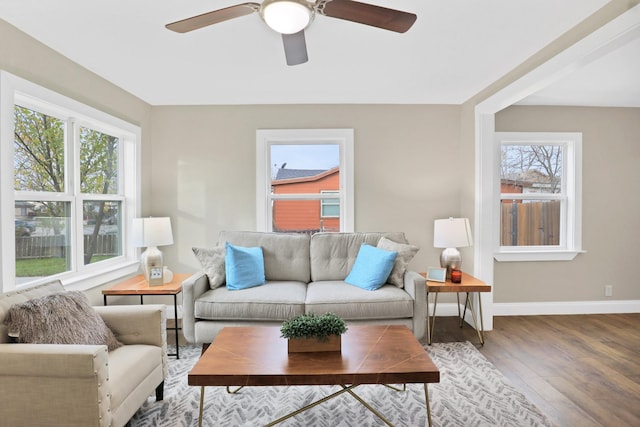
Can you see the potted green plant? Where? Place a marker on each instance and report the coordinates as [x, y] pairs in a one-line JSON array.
[[310, 332]]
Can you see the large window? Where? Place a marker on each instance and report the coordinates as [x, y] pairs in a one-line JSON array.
[[540, 198], [305, 180], [69, 172]]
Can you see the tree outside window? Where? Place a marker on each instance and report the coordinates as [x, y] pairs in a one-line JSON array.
[[529, 171], [46, 196], [540, 196]]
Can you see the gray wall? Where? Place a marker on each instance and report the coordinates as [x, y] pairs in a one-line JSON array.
[[610, 205], [203, 168]]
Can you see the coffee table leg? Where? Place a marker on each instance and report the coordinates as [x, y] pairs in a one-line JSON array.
[[369, 407], [201, 406], [426, 397]]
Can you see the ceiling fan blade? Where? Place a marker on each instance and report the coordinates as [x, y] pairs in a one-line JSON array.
[[368, 14], [295, 48], [214, 17]]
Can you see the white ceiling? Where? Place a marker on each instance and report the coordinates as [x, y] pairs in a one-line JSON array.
[[455, 49]]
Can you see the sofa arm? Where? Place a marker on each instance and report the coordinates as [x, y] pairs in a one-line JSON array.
[[39, 380], [136, 324], [192, 289], [416, 286]]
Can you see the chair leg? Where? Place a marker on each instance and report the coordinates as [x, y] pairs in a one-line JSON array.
[[160, 392]]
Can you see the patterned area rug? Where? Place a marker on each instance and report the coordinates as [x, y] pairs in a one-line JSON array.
[[471, 392]]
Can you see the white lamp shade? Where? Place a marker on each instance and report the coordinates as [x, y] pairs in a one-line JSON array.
[[286, 16], [150, 232], [452, 233]]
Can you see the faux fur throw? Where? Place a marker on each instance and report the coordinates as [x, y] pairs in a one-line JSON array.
[[60, 318]]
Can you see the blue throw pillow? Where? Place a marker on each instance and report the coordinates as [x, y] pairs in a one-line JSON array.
[[372, 268], [244, 267]]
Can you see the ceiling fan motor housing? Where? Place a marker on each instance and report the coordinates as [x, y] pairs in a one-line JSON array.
[[287, 16]]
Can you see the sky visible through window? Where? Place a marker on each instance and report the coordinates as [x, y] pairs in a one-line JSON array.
[[308, 156]]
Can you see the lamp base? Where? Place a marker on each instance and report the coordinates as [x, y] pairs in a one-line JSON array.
[[152, 268], [450, 259]]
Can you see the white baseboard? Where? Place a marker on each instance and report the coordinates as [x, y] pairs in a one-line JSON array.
[[565, 307]]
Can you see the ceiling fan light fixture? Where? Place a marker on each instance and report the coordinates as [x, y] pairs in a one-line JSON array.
[[287, 16]]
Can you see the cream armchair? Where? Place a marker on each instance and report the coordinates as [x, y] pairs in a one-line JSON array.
[[82, 385]]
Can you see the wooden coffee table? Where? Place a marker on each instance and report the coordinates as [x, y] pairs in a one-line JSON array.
[[257, 356]]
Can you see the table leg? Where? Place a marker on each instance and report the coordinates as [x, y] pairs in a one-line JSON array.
[[433, 317], [175, 323], [104, 299], [426, 397], [481, 319], [475, 322], [201, 406], [464, 312], [428, 322], [465, 308]]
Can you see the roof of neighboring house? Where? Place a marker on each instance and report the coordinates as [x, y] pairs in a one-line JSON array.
[[291, 176], [297, 173]]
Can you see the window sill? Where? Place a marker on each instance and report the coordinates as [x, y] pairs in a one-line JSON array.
[[83, 282], [558, 255]]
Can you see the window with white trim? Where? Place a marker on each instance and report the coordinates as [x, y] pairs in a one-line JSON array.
[[69, 185], [329, 208], [304, 180], [540, 207]]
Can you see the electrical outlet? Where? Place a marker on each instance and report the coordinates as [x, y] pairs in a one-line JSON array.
[[608, 290]]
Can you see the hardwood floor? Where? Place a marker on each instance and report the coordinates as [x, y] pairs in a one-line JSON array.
[[581, 370]]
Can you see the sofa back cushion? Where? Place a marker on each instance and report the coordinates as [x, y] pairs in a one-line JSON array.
[[20, 296], [286, 256], [333, 254]]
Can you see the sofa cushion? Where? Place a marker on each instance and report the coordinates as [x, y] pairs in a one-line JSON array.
[[333, 254], [405, 255], [129, 367], [371, 268], [353, 303], [275, 300], [286, 256], [212, 262], [244, 267], [60, 318]]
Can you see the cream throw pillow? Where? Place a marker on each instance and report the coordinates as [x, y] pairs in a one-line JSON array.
[[212, 262], [405, 255]]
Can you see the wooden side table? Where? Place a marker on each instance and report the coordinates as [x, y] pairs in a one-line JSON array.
[[137, 285], [468, 285]]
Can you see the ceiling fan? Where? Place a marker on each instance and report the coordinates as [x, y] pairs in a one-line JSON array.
[[291, 17]]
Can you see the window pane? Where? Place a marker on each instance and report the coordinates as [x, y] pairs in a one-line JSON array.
[[286, 159], [98, 162], [42, 238], [302, 216], [530, 222], [102, 230], [39, 151], [531, 168], [330, 208]]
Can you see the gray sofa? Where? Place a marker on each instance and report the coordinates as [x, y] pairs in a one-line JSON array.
[[304, 274], [82, 385]]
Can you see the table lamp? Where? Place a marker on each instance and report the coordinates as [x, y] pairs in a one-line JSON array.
[[150, 233], [450, 234]]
